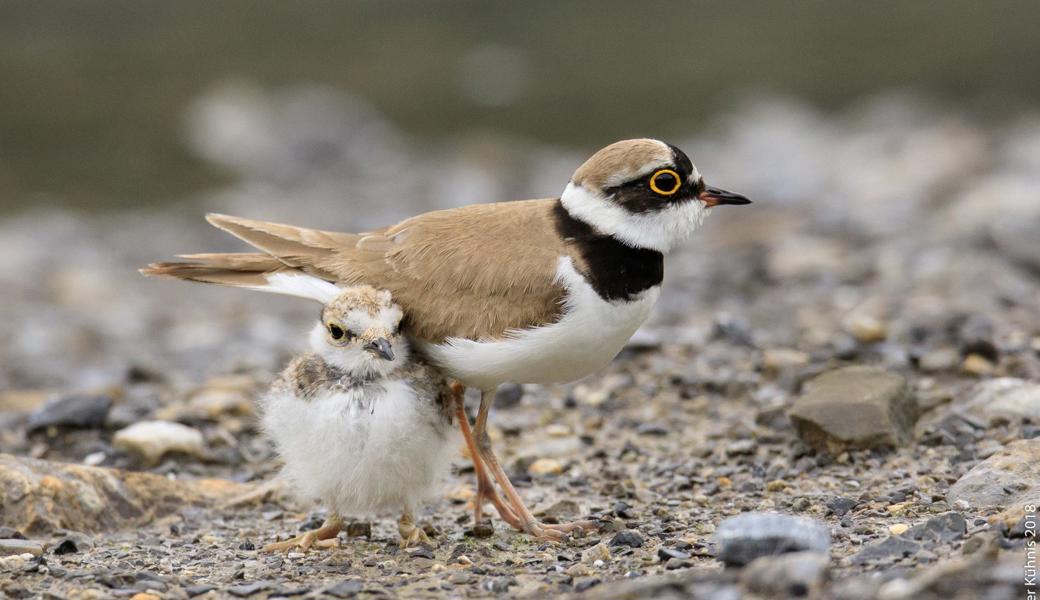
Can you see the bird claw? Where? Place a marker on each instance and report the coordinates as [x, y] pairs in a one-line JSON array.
[[324, 537]]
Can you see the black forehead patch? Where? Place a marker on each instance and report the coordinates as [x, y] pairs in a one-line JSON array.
[[682, 163]]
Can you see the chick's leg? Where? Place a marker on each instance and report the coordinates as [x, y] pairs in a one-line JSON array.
[[322, 537], [528, 523], [485, 488]]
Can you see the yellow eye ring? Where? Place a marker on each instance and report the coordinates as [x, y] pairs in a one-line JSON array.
[[665, 192]]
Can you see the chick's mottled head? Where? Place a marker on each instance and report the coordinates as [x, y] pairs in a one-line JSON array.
[[360, 331]]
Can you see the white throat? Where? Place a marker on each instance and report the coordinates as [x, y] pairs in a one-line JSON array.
[[657, 230]]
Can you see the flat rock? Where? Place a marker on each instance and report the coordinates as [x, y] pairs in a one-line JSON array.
[[855, 407], [1005, 398], [151, 440], [39, 497], [744, 538], [1006, 478], [10, 547], [790, 575], [889, 549]]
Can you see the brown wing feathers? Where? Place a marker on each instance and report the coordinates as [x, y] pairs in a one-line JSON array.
[[444, 268]]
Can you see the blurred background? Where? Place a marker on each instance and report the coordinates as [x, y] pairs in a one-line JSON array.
[[892, 150]]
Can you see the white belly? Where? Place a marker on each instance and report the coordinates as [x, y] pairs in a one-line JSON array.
[[362, 455], [587, 337]]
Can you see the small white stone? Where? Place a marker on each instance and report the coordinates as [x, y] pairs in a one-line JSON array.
[[153, 439]]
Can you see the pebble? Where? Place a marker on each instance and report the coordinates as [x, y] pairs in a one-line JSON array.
[[665, 554], [598, 552], [10, 547], [867, 329], [198, 590], [892, 548], [508, 395], [15, 563], [1007, 477], [942, 359], [840, 505], [855, 407], [898, 528], [627, 537], [781, 359], [746, 537], [796, 574], [152, 440], [248, 589], [975, 364], [545, 466], [87, 411]]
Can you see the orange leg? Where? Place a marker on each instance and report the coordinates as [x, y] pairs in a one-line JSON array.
[[528, 523], [485, 489]]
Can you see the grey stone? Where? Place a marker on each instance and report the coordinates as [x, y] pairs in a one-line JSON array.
[[795, 574], [840, 505], [1005, 478], [943, 528], [855, 407], [77, 410], [628, 537], [509, 395], [892, 548], [1005, 398], [15, 546], [665, 554], [746, 537], [345, 589], [248, 589]]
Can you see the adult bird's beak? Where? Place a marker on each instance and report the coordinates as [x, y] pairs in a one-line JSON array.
[[381, 348], [713, 196]]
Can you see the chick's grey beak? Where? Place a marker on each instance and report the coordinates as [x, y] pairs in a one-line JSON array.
[[713, 196], [381, 348]]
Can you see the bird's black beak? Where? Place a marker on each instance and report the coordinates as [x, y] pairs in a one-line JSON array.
[[381, 348], [713, 196]]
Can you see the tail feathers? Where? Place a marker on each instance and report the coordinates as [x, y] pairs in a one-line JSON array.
[[236, 270], [252, 271], [294, 246]]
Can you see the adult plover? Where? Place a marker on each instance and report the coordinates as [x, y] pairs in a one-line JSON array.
[[530, 291], [363, 426]]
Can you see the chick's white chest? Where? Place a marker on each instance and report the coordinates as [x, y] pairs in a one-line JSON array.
[[372, 449]]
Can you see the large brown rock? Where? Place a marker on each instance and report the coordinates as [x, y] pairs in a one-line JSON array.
[[855, 407], [38, 496]]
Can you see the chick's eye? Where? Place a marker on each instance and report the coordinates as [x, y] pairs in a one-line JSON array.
[[336, 332], [665, 182]]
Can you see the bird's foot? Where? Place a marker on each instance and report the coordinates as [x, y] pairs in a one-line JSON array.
[[322, 537], [554, 532], [410, 534]]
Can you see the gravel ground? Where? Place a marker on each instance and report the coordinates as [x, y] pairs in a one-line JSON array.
[[894, 236]]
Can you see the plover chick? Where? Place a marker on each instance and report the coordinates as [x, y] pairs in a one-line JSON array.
[[363, 425]]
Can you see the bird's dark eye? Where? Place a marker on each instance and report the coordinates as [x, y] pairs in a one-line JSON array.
[[665, 182], [336, 332]]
